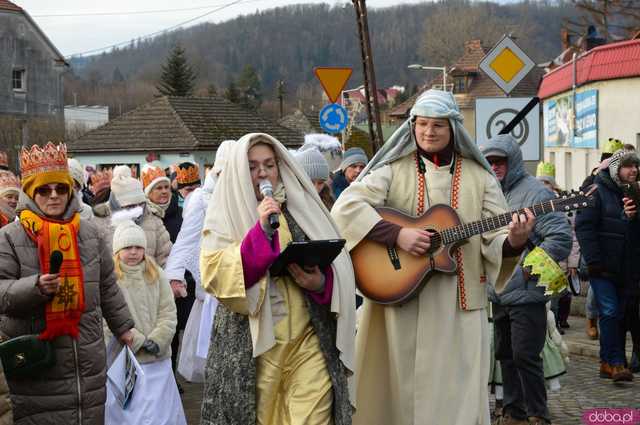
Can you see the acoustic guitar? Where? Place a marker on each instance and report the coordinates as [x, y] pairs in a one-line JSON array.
[[393, 276]]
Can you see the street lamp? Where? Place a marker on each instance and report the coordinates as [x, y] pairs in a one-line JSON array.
[[433, 68]]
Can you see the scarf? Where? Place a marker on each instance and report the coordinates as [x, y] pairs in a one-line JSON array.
[[63, 312], [229, 224], [432, 104]]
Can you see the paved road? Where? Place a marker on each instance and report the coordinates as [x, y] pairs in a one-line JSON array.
[[581, 389]]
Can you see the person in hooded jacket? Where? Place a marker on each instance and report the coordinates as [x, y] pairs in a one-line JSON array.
[[608, 248], [64, 308], [520, 316]]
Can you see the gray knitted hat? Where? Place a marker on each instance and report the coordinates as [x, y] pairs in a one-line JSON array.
[[128, 234], [314, 164], [353, 156]]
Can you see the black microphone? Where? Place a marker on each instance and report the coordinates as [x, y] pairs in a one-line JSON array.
[[55, 262], [267, 191]]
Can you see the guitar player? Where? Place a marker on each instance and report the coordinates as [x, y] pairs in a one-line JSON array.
[[520, 316], [427, 360]]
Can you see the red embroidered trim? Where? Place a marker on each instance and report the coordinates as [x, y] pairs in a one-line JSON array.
[[455, 192]]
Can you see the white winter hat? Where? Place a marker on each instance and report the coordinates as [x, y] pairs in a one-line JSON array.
[[76, 171], [121, 170], [128, 234], [127, 190]]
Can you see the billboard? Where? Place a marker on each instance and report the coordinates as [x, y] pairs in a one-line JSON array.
[[559, 124]]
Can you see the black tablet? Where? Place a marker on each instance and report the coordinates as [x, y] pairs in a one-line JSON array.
[[307, 254]]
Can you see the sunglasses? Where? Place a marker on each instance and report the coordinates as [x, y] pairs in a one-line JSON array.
[[60, 189]]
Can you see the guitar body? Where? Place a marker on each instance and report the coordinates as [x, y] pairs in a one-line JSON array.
[[382, 281]]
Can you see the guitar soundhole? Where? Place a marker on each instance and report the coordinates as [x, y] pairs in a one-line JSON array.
[[436, 241]]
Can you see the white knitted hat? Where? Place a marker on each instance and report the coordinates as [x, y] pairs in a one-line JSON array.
[[76, 171], [127, 190], [128, 234], [121, 170], [314, 164]]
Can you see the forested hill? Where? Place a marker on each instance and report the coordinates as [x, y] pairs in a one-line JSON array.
[[286, 43]]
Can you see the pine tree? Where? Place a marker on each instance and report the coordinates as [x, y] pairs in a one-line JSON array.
[[231, 93], [178, 78], [250, 88], [212, 90]]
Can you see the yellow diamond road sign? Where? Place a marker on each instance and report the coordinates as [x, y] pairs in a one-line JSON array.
[[506, 64]]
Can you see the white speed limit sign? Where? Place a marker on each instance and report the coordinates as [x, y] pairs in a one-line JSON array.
[[494, 113]]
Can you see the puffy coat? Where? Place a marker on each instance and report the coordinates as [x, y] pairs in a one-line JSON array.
[[339, 184], [153, 309], [73, 390], [6, 412], [552, 231], [158, 242], [608, 240]]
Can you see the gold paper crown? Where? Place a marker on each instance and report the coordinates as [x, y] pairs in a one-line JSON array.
[[4, 160], [150, 173], [189, 175], [38, 160], [9, 180], [101, 180]]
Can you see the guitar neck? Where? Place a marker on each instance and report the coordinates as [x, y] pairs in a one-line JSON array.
[[467, 230]]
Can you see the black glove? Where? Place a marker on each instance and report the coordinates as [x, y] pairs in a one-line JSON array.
[[151, 347]]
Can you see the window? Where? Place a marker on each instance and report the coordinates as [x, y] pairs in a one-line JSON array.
[[19, 79], [459, 85]]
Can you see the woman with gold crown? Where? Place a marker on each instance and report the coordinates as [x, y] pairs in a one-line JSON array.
[[9, 192], [282, 346], [63, 308]]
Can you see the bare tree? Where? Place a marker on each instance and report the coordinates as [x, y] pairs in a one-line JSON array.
[[613, 19]]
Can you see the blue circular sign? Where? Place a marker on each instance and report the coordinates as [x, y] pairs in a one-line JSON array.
[[333, 118]]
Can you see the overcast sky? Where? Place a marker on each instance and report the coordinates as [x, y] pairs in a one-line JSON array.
[[76, 34]]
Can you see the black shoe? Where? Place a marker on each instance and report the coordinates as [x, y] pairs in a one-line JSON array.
[[564, 324], [560, 330], [634, 366], [180, 389]]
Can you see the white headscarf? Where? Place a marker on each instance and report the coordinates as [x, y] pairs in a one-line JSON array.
[[432, 104], [226, 225]]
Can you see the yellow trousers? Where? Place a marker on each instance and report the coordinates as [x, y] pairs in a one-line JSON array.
[[293, 385]]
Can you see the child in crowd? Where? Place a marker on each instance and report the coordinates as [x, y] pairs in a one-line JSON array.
[[155, 398]]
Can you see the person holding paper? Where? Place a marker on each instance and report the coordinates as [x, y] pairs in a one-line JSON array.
[[282, 347], [155, 397]]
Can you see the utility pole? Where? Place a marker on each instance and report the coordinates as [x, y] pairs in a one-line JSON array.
[[280, 89], [370, 89]]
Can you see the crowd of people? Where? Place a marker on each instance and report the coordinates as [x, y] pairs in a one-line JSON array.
[[173, 266]]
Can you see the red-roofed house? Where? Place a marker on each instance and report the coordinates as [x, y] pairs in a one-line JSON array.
[[607, 104]]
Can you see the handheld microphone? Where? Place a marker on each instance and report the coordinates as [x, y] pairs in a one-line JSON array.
[[266, 189], [55, 262]]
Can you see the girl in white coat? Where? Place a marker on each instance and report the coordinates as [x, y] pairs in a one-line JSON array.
[[155, 398]]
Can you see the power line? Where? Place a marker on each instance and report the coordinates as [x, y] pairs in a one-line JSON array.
[[134, 12], [217, 9]]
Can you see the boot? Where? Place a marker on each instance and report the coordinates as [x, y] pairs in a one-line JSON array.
[[534, 420], [634, 366], [507, 419], [605, 370], [621, 374], [592, 328]]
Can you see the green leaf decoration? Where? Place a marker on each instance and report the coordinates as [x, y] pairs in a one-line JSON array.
[[550, 276]]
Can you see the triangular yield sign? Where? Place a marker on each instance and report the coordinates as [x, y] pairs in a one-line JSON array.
[[333, 80]]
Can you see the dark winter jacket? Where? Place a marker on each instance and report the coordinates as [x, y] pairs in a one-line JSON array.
[[552, 231], [173, 217], [604, 233], [339, 184]]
